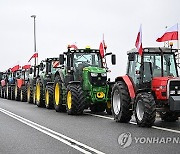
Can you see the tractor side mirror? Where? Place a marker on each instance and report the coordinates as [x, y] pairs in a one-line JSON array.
[[131, 57], [41, 66], [30, 70], [61, 59], [113, 59]]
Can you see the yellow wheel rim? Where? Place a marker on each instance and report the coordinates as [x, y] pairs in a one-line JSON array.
[[109, 105], [57, 92], [69, 100], [47, 97], [38, 92]]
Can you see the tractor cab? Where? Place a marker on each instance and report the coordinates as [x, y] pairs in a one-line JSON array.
[[83, 60], [156, 64]]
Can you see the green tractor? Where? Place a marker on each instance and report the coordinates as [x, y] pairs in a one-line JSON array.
[[44, 82], [81, 82]]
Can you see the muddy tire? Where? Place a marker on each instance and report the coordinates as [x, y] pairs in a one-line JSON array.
[[121, 103], [145, 110]]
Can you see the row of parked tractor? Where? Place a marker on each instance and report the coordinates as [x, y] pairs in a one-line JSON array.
[[77, 80]]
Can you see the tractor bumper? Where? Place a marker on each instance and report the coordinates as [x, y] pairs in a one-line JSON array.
[[174, 102]]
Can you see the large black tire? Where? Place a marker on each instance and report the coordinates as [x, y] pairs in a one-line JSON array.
[[13, 92], [17, 92], [75, 100], [30, 87], [8, 92], [34, 95], [145, 109], [5, 95], [169, 116], [59, 104], [23, 94], [2, 92], [49, 97], [39, 93], [121, 103]]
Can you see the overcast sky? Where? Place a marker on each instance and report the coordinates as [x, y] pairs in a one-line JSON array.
[[63, 22]]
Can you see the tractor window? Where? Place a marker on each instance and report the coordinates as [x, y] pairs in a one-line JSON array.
[[169, 66], [86, 59]]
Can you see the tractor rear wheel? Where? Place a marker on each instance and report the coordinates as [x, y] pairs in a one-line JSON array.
[[145, 109], [8, 92], [23, 94], [58, 96], [121, 102], [30, 87], [49, 96], [169, 116], [17, 93], [12, 92], [39, 93], [75, 101]]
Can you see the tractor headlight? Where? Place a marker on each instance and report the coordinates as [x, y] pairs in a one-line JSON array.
[[94, 74], [172, 92], [103, 74]]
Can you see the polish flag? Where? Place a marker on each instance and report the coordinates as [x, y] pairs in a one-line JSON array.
[[15, 68], [26, 66], [35, 55], [101, 50], [170, 34], [138, 43]]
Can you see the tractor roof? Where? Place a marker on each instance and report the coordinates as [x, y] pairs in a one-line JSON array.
[[87, 50], [153, 50]]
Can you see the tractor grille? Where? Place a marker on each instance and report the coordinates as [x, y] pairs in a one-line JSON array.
[[98, 80], [174, 87]]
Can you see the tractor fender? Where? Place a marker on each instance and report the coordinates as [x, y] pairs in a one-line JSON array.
[[129, 83]]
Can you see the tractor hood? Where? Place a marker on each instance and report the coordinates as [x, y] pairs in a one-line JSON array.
[[92, 69], [161, 81]]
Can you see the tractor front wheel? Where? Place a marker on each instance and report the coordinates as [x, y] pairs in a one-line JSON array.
[[75, 101], [58, 96], [145, 109], [23, 94], [30, 92], [121, 107]]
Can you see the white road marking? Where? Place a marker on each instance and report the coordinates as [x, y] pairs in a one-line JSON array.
[[58, 136], [134, 123]]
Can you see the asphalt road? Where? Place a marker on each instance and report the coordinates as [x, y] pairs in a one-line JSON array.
[[25, 128]]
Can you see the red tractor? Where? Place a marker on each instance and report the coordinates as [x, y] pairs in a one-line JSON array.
[[151, 85]]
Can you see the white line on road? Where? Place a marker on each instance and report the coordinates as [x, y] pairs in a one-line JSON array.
[[58, 136], [134, 123]]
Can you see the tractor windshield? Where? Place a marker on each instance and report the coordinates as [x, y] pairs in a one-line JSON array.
[[82, 60], [161, 65]]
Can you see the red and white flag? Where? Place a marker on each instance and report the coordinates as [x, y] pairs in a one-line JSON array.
[[26, 66], [170, 34], [15, 68], [35, 55], [138, 43], [101, 49]]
